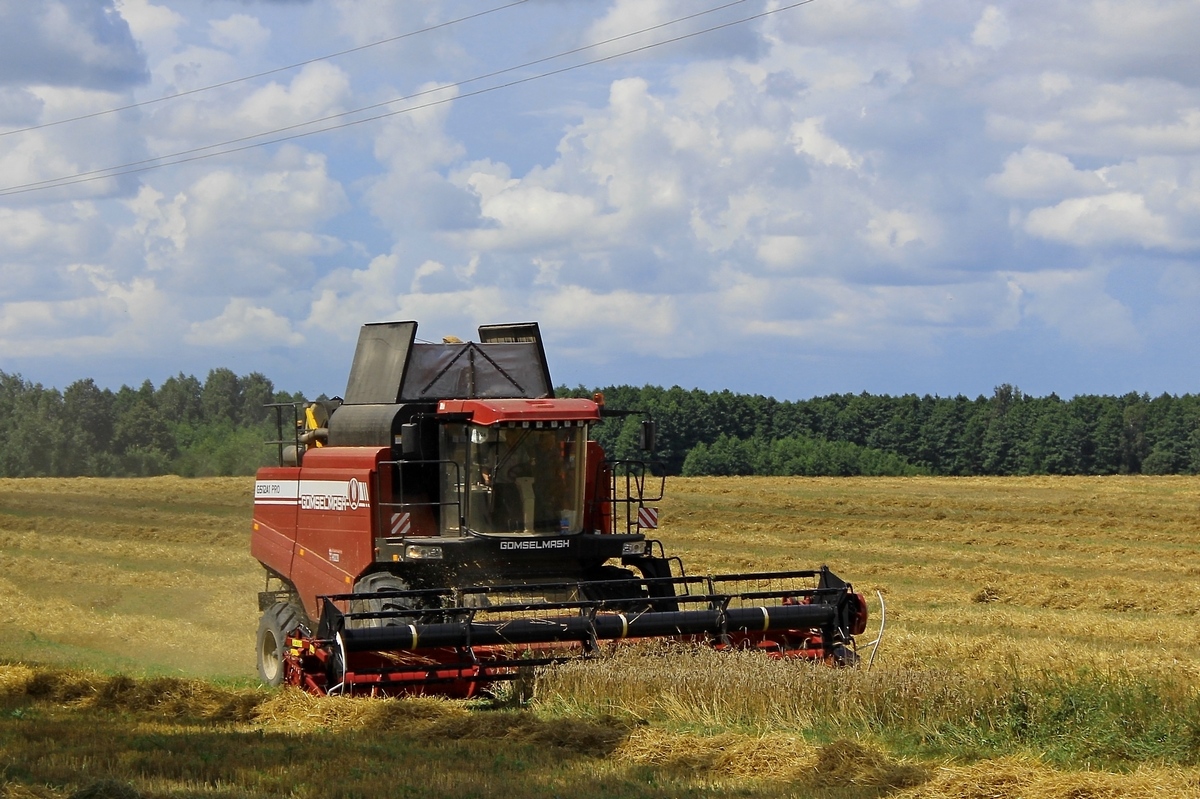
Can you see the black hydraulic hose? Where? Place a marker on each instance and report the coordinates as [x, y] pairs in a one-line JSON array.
[[601, 627]]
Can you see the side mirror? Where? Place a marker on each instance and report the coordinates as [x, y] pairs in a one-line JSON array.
[[410, 440], [646, 435]]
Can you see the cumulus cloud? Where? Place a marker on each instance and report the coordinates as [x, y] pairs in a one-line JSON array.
[[239, 33], [108, 317], [808, 138], [243, 323], [348, 294], [658, 18], [992, 30], [68, 43], [1114, 218], [238, 228], [1078, 306], [1035, 174]]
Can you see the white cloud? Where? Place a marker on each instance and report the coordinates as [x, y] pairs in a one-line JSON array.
[[1037, 174], [109, 318], [1107, 219], [347, 295], [317, 90], [719, 231], [893, 234], [992, 30], [65, 43], [808, 138], [24, 229], [625, 17], [784, 251], [530, 216], [236, 230], [239, 33], [367, 21], [152, 25], [632, 321], [1077, 304], [816, 313], [243, 323]]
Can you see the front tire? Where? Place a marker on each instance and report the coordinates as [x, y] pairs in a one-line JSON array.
[[612, 584], [382, 583], [280, 620]]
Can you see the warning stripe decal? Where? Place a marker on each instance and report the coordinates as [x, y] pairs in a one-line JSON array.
[[647, 518]]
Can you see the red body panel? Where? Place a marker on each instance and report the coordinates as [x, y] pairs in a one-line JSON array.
[[493, 411], [597, 508], [316, 524], [273, 539]]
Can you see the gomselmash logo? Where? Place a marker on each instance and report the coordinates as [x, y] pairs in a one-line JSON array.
[[545, 543], [328, 495], [356, 493], [333, 495]]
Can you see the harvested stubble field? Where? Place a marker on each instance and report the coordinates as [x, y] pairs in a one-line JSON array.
[[1042, 642]]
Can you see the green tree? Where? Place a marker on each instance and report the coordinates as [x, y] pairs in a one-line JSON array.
[[88, 430], [33, 443], [256, 392], [1134, 447], [147, 442], [221, 398], [178, 398]]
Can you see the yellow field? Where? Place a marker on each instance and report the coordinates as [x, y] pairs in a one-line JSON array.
[[976, 571], [147, 576], [995, 588]]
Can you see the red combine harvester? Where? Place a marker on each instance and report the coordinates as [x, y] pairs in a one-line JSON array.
[[449, 523]]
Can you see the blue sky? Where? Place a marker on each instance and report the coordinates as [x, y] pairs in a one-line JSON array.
[[929, 196]]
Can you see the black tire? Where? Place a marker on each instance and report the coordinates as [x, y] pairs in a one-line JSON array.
[[608, 583], [276, 624], [382, 583]]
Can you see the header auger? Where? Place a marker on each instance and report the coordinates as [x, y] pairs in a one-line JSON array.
[[449, 523]]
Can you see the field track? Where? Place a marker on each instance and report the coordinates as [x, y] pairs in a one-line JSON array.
[[1060, 592]]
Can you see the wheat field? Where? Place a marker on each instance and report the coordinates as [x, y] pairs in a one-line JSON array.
[[1041, 642]]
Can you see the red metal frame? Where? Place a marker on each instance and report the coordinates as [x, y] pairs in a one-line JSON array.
[[463, 672], [497, 411]]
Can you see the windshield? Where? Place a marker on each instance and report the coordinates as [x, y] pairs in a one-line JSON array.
[[516, 479]]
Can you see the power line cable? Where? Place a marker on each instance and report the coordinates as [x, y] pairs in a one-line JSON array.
[[197, 154], [265, 73]]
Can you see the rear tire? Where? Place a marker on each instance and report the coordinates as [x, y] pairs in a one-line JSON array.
[[276, 624]]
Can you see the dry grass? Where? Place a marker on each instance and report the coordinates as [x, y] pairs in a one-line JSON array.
[[1026, 778], [147, 576], [75, 734], [995, 588], [975, 571]]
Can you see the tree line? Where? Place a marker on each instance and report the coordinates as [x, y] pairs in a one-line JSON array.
[[219, 426], [185, 427], [1007, 433]]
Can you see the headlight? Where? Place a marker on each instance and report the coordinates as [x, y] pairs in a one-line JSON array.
[[422, 552], [635, 548]]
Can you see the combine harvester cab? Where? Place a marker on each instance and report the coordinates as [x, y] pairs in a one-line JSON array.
[[449, 523]]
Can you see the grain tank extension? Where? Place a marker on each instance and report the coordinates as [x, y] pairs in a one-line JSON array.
[[450, 522]]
